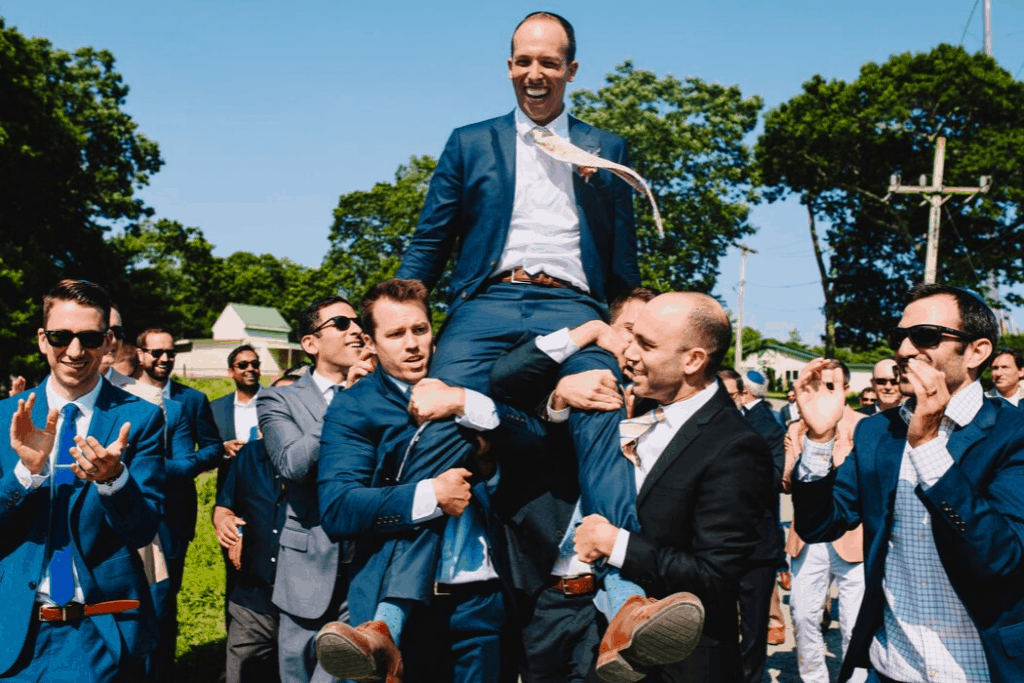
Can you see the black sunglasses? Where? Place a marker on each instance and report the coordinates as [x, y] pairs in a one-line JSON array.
[[342, 322], [885, 381], [89, 340], [157, 353], [244, 364], [118, 332], [926, 336]]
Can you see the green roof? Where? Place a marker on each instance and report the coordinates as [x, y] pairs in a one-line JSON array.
[[261, 317], [799, 354]]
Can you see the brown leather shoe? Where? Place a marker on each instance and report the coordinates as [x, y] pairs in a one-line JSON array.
[[649, 632], [364, 653], [777, 635], [785, 580]]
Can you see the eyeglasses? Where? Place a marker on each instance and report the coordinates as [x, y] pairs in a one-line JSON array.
[[158, 353], [244, 364], [118, 332], [90, 340], [885, 381], [926, 336], [342, 322], [867, 401]]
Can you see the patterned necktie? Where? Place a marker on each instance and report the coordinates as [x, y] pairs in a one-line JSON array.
[[632, 429], [62, 582], [562, 150]]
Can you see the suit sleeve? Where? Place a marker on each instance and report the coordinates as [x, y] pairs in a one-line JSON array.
[[183, 460], [438, 227], [292, 450], [210, 448], [349, 505], [524, 375], [826, 508], [625, 270], [731, 500], [134, 511]]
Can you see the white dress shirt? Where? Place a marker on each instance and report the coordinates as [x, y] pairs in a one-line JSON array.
[[86, 406], [544, 233], [245, 417], [926, 634], [650, 447]]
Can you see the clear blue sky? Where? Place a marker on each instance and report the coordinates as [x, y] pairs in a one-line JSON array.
[[266, 112]]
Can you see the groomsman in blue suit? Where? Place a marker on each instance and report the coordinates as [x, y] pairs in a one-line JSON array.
[[81, 489], [542, 246]]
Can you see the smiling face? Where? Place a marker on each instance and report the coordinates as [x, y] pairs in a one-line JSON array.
[[73, 368], [885, 381], [335, 350], [156, 363], [249, 378], [538, 68], [402, 339]]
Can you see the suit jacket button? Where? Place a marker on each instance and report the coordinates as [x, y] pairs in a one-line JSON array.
[[32, 585], [465, 295]]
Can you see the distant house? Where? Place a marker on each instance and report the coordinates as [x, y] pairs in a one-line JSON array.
[[262, 327], [784, 363]]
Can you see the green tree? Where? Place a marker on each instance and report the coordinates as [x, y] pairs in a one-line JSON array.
[[835, 145], [686, 137], [70, 161]]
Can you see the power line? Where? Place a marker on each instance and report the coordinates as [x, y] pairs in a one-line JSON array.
[[802, 284], [968, 24], [1021, 68]]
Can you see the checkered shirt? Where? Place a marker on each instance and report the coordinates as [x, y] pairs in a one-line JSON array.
[[926, 634]]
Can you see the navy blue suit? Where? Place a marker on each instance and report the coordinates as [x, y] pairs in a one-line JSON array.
[[977, 516], [105, 533]]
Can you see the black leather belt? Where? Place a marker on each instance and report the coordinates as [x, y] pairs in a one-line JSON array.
[[466, 590]]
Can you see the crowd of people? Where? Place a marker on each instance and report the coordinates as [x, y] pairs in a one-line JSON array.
[[564, 485]]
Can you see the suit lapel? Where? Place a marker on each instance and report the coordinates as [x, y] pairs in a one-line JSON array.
[[505, 159], [314, 401], [689, 431], [101, 426], [962, 439], [42, 407]]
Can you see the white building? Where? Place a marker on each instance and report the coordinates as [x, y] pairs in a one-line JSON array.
[[785, 364], [261, 327]]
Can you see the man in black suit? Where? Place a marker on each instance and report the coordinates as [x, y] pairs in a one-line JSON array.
[[704, 484], [758, 582]]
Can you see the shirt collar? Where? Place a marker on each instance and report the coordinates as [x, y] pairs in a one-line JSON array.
[[402, 386], [560, 126], [753, 403], [962, 408], [86, 403], [166, 391], [323, 384], [252, 401], [679, 412]]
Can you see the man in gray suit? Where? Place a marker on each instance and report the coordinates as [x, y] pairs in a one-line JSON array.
[[311, 581]]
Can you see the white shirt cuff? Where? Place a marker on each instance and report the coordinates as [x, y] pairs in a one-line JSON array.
[[27, 479], [618, 556], [479, 413], [424, 502], [816, 460], [931, 460], [114, 486], [557, 345], [557, 416]]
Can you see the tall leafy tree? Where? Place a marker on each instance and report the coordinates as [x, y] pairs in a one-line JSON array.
[[836, 144], [70, 161], [686, 137]]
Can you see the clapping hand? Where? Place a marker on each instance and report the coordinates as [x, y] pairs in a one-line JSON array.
[[33, 445], [94, 462], [820, 395]]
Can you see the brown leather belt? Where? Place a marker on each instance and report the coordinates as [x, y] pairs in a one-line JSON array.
[[581, 584], [73, 611], [543, 279]]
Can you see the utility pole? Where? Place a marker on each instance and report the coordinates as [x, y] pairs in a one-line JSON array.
[[988, 27], [739, 318], [936, 194]]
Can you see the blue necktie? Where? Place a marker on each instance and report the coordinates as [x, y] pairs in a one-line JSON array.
[[62, 581]]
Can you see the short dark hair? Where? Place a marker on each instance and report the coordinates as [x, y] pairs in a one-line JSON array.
[[81, 292], [309, 319], [644, 294], [713, 330], [1018, 357], [834, 363], [976, 318], [570, 49], [395, 289], [140, 341], [730, 373], [866, 390], [237, 350], [285, 380]]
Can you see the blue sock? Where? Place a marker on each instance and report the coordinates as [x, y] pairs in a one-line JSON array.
[[618, 591], [393, 613]]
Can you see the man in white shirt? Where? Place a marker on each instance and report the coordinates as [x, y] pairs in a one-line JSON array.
[[1007, 371], [937, 485]]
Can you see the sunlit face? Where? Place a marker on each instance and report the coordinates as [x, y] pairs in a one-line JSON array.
[[1005, 375], [114, 348], [734, 393], [402, 339], [538, 68], [74, 368], [335, 350], [791, 396], [885, 381], [952, 356], [627, 315], [154, 357], [247, 377], [656, 357]]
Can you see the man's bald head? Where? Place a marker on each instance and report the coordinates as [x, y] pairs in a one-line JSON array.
[[699, 321], [885, 382]]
